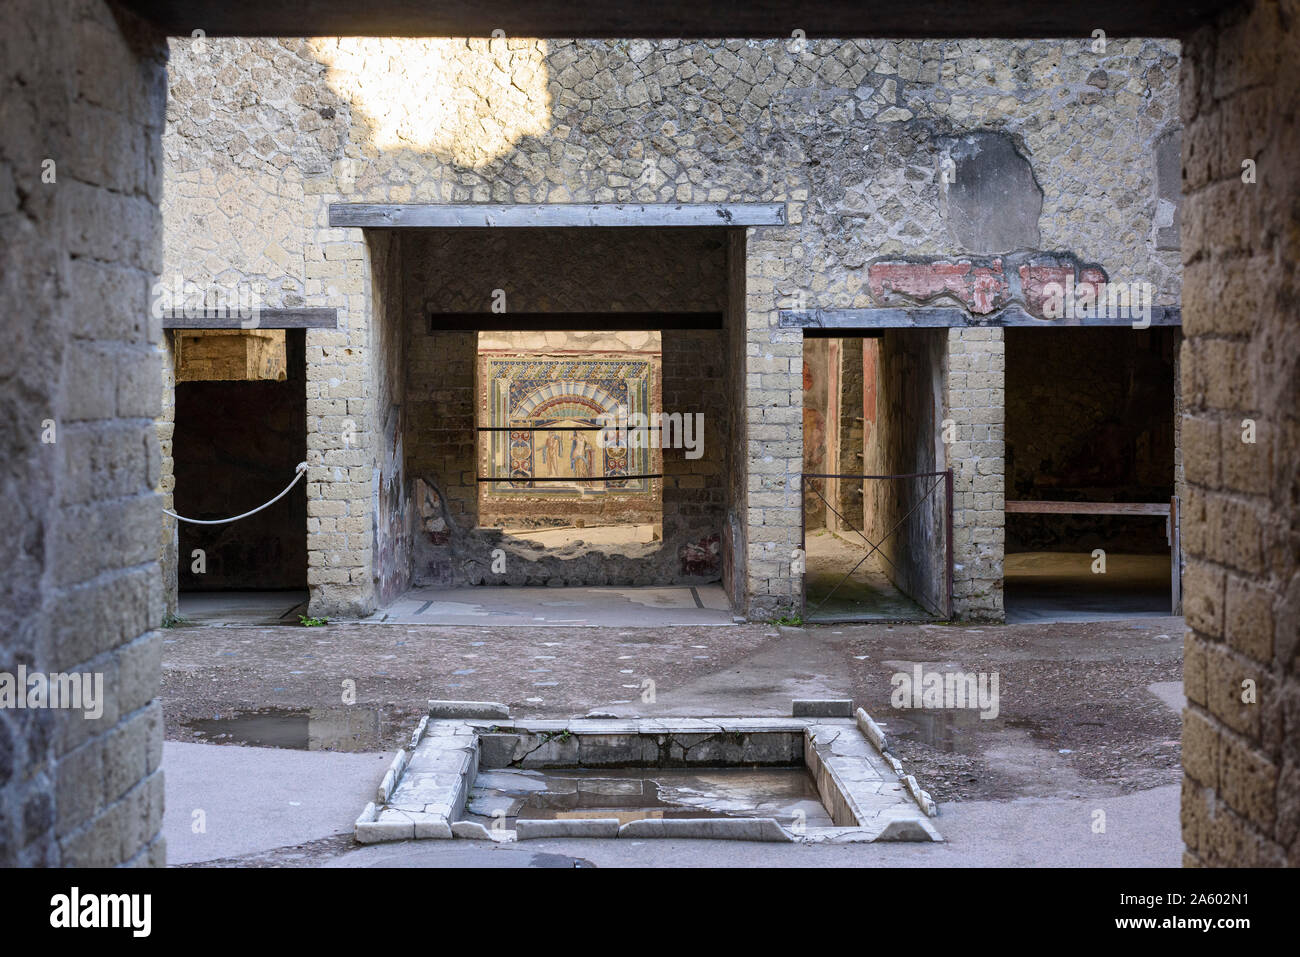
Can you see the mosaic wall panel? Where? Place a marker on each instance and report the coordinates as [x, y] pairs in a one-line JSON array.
[[545, 410]]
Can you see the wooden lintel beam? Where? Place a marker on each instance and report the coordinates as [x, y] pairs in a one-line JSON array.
[[551, 215], [1086, 508], [259, 319], [573, 321]]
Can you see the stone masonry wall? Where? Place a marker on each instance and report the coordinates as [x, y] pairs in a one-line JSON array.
[[165, 428], [80, 184], [975, 406], [441, 449], [392, 497], [1241, 365], [851, 135], [742, 355], [820, 434]]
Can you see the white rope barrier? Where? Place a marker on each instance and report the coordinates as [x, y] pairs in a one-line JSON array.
[[301, 471]]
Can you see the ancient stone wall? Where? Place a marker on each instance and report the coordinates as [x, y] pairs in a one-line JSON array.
[[1241, 381], [695, 488], [853, 136], [742, 494], [165, 429], [441, 452], [393, 507], [80, 590], [820, 427]]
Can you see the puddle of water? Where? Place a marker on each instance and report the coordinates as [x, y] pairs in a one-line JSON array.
[[355, 728], [952, 730], [631, 794]]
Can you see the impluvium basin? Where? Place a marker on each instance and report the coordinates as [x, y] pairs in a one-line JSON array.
[[720, 778]]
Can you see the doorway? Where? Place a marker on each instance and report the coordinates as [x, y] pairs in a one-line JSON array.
[[876, 496], [1091, 530], [241, 430]]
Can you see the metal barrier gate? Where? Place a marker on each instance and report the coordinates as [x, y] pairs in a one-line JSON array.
[[940, 479]]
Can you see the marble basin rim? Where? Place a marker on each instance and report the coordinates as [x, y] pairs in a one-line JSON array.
[[862, 787]]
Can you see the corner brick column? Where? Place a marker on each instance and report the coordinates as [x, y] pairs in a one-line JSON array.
[[976, 404], [79, 579], [169, 543], [774, 430], [1241, 528], [340, 417]]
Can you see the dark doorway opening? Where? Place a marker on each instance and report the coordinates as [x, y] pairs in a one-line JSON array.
[[241, 430], [1090, 429]]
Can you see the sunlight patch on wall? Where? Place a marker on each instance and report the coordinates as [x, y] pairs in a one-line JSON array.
[[469, 101]]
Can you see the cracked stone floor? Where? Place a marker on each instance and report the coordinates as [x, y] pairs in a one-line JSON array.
[[260, 738]]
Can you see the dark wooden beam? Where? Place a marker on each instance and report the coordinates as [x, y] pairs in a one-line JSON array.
[[572, 321], [941, 317], [265, 319], [843, 332], [677, 18], [1025, 507], [510, 215]]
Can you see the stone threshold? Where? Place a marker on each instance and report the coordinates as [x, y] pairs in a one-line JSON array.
[[863, 787]]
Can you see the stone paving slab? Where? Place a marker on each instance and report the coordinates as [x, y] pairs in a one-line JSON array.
[[572, 827], [716, 829]]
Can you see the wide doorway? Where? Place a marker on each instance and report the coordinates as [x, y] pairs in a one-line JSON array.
[[1091, 527]]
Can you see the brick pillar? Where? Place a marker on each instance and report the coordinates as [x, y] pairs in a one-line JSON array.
[[80, 589], [1241, 529], [774, 431], [340, 424], [168, 558], [976, 403]]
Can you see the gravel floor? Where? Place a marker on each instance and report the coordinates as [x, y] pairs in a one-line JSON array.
[[1075, 713]]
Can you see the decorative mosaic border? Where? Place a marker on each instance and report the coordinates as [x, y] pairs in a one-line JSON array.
[[520, 388]]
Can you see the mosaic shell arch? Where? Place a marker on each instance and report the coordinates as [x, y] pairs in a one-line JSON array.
[[545, 416]]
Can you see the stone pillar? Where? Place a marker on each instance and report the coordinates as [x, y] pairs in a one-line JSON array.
[[1241, 371], [340, 423], [80, 589], [976, 403], [168, 557], [774, 417]]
